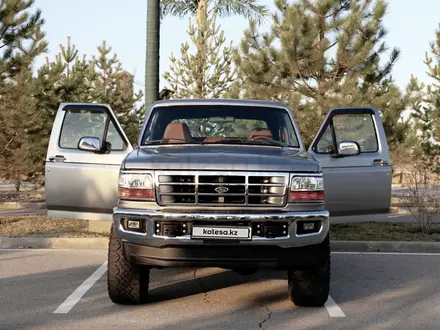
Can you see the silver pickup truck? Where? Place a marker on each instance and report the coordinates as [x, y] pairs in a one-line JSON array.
[[217, 183]]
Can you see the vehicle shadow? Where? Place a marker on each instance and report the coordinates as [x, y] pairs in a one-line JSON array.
[[204, 284]]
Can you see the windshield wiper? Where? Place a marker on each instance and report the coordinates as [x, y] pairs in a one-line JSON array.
[[166, 141], [249, 142], [264, 141]]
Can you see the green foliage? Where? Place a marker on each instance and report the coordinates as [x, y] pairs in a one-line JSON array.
[[424, 101], [18, 115], [29, 102], [206, 75], [319, 55], [114, 86], [247, 8], [21, 38], [433, 92]]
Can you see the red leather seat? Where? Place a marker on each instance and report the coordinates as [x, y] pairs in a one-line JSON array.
[[257, 133], [177, 133]]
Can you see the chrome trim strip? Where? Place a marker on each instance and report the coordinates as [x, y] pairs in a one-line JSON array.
[[254, 238], [273, 216]]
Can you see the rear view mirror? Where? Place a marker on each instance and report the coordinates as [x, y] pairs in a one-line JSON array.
[[89, 143], [348, 148], [221, 119]]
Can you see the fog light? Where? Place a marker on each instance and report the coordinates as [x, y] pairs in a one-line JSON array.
[[309, 226], [134, 224]]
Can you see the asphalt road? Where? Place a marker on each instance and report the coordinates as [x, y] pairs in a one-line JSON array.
[[369, 292]]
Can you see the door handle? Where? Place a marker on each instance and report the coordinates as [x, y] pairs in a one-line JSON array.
[[379, 162], [57, 158]]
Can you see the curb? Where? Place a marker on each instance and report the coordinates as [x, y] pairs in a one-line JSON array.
[[53, 243], [102, 243], [398, 210], [22, 205], [385, 246]]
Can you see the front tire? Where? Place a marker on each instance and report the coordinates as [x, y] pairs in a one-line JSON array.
[[311, 287], [127, 284]]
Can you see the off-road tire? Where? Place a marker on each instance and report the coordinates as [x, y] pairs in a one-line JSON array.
[[127, 284], [310, 287]]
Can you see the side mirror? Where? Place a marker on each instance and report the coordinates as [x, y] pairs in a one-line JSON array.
[[89, 143], [348, 148]]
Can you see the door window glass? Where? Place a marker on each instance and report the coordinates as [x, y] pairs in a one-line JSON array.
[[349, 127], [79, 123], [114, 138]]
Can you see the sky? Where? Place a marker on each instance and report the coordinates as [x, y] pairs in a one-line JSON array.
[[411, 27]]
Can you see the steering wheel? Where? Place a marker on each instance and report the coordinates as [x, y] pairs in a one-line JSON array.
[[261, 137]]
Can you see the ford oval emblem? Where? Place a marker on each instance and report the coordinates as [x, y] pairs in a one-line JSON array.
[[221, 189]]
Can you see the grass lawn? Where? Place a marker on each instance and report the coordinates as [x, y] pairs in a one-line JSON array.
[[382, 231], [42, 226]]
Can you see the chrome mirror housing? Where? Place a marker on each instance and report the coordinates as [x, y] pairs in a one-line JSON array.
[[348, 148], [89, 143]]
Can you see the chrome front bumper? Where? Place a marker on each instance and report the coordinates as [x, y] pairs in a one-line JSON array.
[[152, 240]]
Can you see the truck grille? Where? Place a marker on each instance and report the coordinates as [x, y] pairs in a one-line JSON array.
[[221, 188]]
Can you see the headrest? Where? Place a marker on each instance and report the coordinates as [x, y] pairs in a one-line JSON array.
[[177, 132]]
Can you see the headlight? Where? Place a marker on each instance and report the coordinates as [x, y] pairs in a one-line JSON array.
[[307, 183], [306, 188], [136, 186]]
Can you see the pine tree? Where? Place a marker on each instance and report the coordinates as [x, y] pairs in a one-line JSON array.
[[190, 76], [18, 115], [115, 87], [206, 73], [21, 41], [424, 101], [432, 111], [317, 55], [68, 78], [21, 38], [205, 12]]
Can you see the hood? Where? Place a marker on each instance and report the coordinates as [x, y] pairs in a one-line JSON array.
[[216, 157]]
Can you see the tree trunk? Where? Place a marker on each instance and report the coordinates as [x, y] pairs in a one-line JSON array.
[[152, 53], [202, 26]]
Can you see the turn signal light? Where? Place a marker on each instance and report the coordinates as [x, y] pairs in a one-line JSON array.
[[128, 193], [306, 196]]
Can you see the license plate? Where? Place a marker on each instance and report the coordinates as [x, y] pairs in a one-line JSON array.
[[241, 233]]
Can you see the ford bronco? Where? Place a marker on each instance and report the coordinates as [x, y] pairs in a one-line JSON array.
[[217, 183]]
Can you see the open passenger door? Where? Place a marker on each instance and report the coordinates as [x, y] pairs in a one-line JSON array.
[[352, 149], [86, 148]]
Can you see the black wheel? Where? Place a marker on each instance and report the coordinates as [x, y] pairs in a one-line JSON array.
[[310, 287], [127, 284]]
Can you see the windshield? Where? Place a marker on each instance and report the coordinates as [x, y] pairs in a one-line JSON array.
[[220, 124]]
